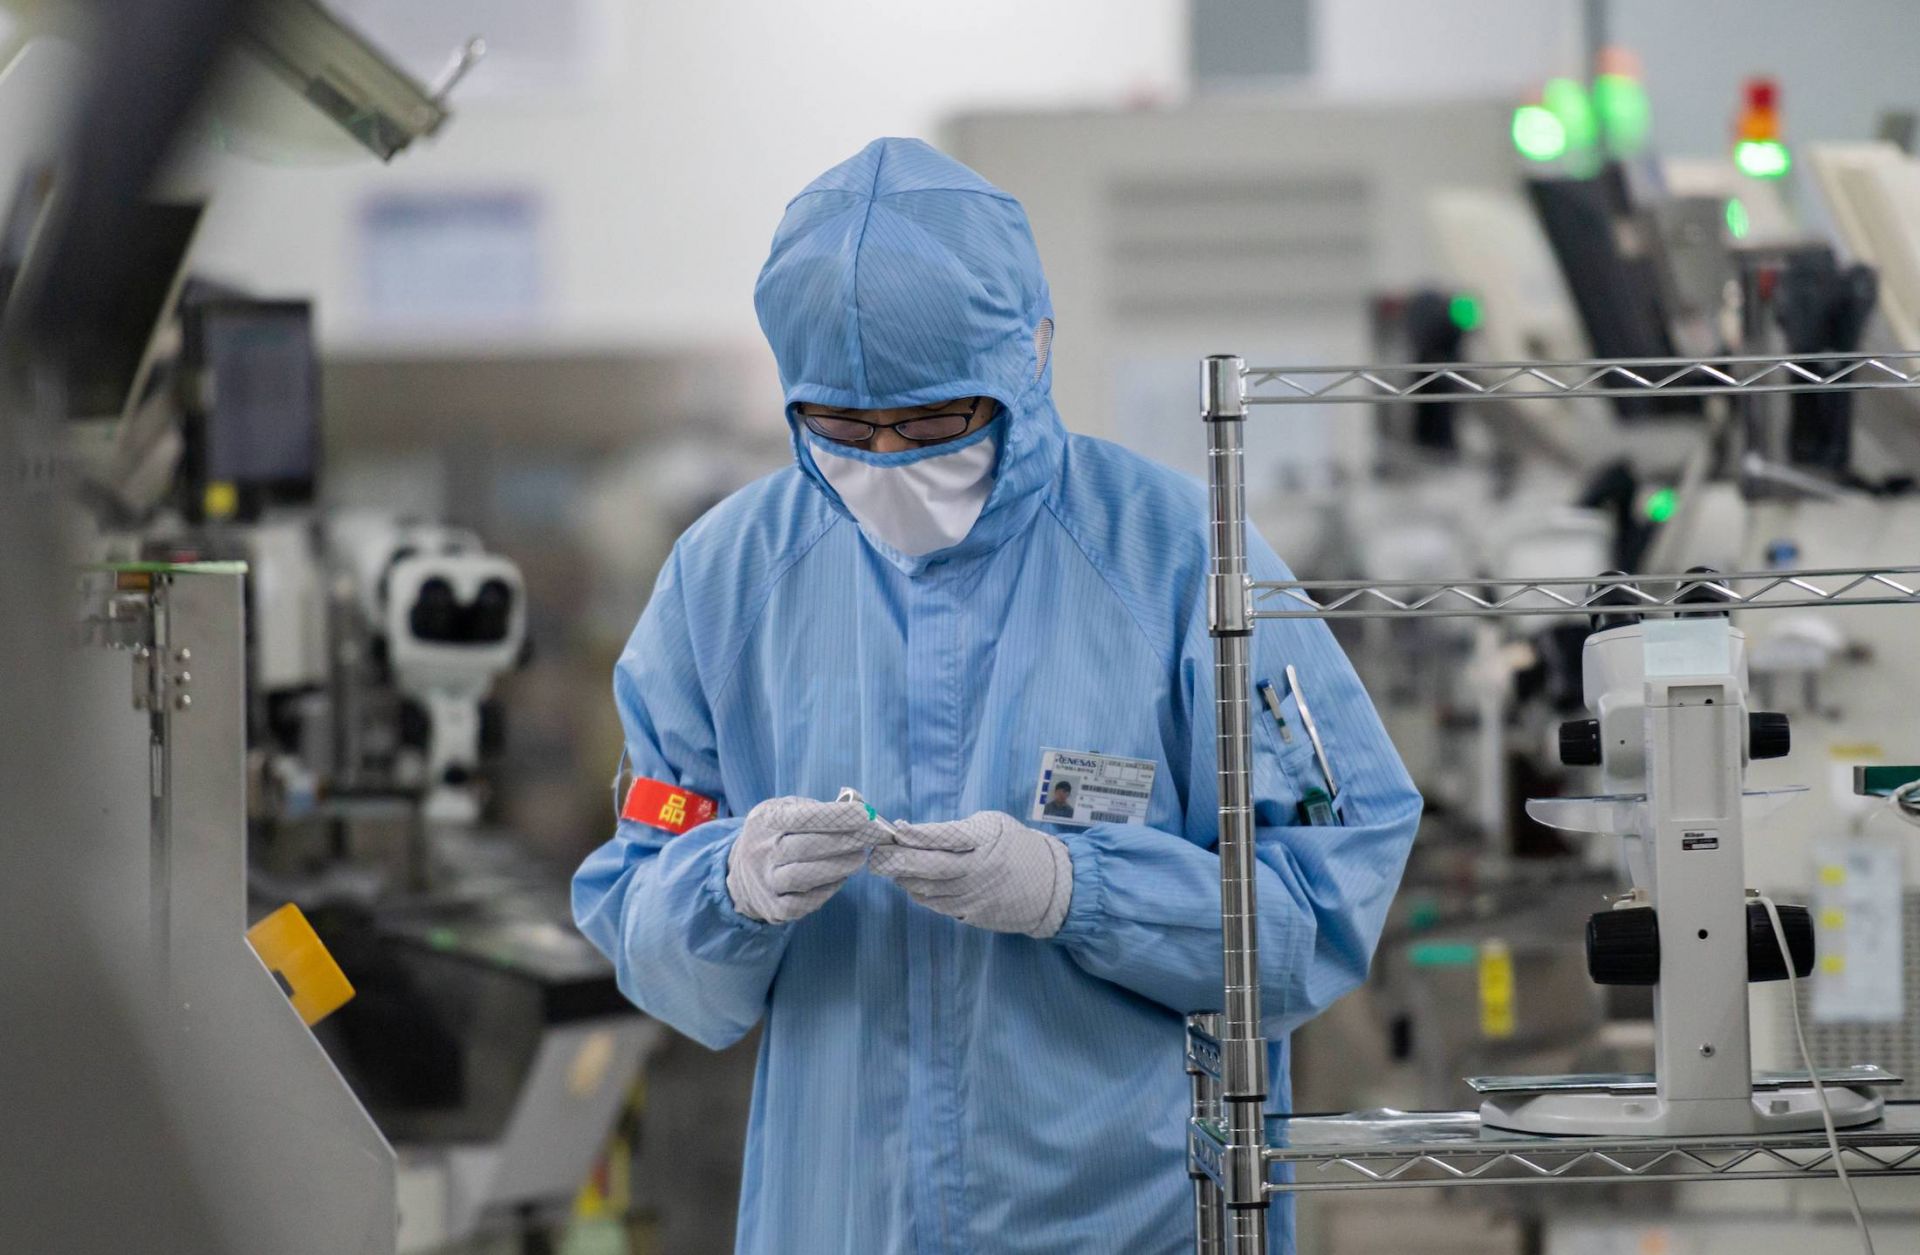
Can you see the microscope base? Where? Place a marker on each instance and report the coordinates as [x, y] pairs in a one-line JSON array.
[[1783, 1110]]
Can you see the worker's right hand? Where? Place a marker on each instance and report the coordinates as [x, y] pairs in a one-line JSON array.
[[794, 853]]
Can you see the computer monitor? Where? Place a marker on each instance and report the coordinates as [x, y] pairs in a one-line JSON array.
[[1607, 256], [253, 404]]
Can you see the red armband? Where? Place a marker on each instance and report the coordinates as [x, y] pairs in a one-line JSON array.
[[668, 806]]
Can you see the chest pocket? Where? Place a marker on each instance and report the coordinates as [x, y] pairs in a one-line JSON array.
[[1283, 743]]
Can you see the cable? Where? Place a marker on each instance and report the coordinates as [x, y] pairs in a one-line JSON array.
[[1904, 802], [1806, 1057]]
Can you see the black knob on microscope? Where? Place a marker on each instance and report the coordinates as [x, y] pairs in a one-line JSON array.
[[1763, 948], [1580, 742], [1623, 946], [1768, 734]]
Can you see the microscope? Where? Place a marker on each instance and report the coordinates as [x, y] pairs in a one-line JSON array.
[[442, 619], [1672, 736]]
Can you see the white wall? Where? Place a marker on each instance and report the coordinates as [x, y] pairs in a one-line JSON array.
[[1838, 64], [662, 175], [661, 187], [1401, 48]]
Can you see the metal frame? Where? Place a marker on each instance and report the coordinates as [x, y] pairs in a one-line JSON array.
[[1228, 1152], [1458, 1155], [1622, 377], [1669, 594], [302, 1168]]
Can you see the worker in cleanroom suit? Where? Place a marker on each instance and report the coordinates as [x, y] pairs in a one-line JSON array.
[[973, 1010]]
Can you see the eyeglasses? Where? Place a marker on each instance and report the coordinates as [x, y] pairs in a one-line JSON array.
[[925, 429]]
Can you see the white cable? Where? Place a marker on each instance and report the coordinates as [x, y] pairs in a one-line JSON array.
[[1904, 802], [1806, 1057]]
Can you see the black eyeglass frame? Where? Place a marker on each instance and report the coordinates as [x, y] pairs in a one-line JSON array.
[[835, 428]]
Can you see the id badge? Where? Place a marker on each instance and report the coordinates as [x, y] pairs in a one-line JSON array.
[[1080, 789]]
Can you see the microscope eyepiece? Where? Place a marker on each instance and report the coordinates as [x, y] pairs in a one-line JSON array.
[[1614, 595]]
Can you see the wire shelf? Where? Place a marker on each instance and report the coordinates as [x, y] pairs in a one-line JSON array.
[[1395, 1150], [1618, 377], [1664, 594]]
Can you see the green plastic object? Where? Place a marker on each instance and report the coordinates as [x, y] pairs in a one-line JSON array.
[[1881, 781], [1444, 954]]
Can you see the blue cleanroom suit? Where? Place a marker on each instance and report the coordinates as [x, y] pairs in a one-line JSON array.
[[924, 1085]]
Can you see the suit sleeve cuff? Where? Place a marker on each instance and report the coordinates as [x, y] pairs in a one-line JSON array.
[[1086, 908], [719, 900]]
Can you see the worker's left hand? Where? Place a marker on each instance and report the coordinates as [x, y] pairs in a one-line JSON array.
[[989, 870]]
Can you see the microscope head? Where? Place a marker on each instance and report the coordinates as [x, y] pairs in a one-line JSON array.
[[1613, 673], [454, 622]]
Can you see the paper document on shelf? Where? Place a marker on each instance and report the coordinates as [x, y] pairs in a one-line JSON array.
[[1858, 885]]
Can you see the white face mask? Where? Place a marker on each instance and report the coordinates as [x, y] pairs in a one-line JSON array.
[[919, 505]]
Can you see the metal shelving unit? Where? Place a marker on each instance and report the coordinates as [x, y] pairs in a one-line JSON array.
[[1392, 1149], [1744, 590], [1618, 377], [1234, 1149]]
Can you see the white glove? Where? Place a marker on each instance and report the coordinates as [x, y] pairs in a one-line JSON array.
[[794, 853], [989, 870]]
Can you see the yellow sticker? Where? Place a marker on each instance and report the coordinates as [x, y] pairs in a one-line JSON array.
[[1854, 751], [1496, 990], [1831, 919], [1833, 874], [1833, 964]]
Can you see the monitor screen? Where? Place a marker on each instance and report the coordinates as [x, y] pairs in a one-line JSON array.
[[1607, 259], [260, 390]]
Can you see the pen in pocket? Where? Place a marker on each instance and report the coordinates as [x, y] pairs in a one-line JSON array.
[[1272, 699]]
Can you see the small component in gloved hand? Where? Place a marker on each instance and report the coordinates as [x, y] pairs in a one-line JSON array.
[[850, 794]]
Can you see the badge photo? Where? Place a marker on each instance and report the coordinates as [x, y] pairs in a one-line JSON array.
[[1079, 789]]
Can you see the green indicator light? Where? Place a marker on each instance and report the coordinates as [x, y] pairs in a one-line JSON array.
[[1567, 101], [1762, 158], [443, 938], [1625, 114], [1464, 310], [1738, 224], [1538, 134], [1661, 505]]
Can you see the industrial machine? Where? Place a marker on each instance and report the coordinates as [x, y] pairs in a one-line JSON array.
[[1672, 733], [488, 1040], [163, 664]]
